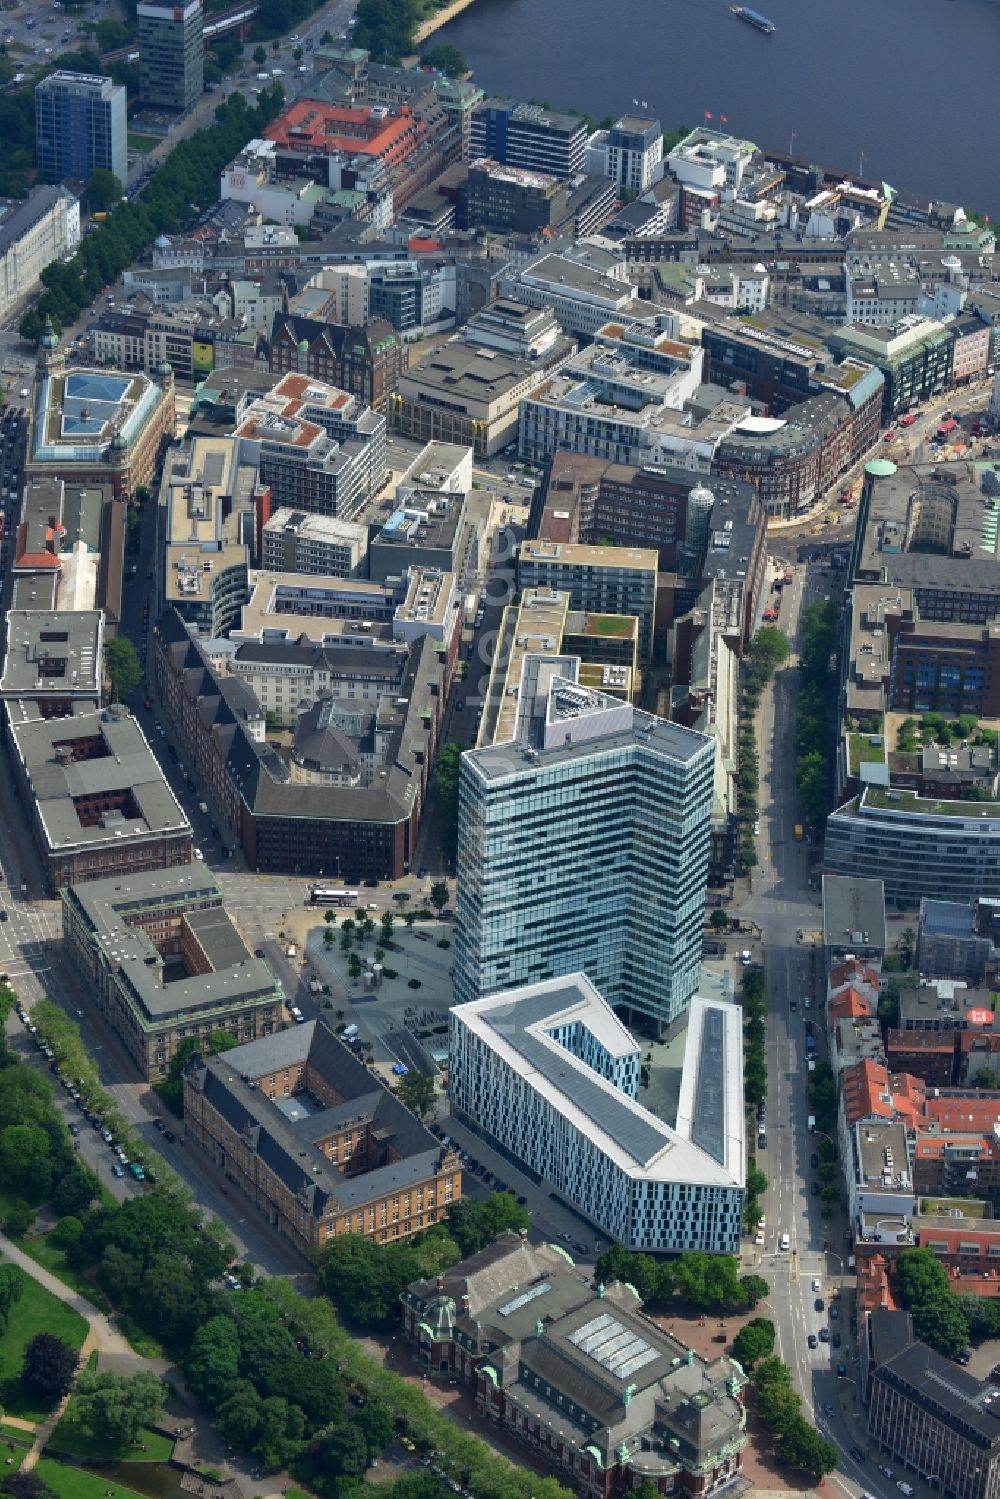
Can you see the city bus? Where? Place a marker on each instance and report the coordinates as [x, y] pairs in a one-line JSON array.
[[322, 895]]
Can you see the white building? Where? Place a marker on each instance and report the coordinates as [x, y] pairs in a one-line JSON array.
[[256, 302], [711, 160], [582, 299], [635, 153], [550, 1076], [45, 227]]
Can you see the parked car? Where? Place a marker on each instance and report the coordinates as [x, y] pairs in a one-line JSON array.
[[116, 1170]]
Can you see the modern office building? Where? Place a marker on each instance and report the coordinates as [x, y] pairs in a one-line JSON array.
[[162, 962], [583, 844], [938, 1421], [958, 939], [317, 448], [580, 1375], [294, 541], [54, 660], [528, 135], [80, 123], [635, 153], [549, 1076], [931, 529], [98, 802], [171, 53], [321, 1148], [598, 579], [918, 846], [205, 505]]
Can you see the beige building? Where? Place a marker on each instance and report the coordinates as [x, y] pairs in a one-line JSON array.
[[467, 394], [44, 228], [207, 496], [162, 963]]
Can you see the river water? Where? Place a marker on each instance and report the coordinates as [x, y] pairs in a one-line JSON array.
[[911, 84]]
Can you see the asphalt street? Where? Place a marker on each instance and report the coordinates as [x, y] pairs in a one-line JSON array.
[[784, 903]]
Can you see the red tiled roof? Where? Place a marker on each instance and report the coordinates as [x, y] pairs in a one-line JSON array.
[[849, 1004], [975, 1115]]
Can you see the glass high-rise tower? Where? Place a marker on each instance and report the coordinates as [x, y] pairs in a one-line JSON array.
[[583, 846], [80, 123]]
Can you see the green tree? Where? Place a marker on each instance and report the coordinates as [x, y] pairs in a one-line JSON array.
[[754, 1341], [439, 895], [122, 667], [375, 1422], [103, 190], [474, 1223], [446, 771], [926, 1293], [213, 1360], [259, 56], [238, 1417], [416, 1091], [281, 1435], [19, 1217], [22, 1148], [768, 650], [719, 921], [446, 59], [755, 1289], [368, 1279], [801, 1446], [387, 921], [345, 1450], [354, 967], [113, 1407], [171, 1088]]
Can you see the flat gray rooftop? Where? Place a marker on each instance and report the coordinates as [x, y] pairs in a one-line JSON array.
[[53, 652], [95, 780]]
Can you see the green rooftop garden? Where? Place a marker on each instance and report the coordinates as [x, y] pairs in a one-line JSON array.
[[861, 751], [610, 624], [944, 1207], [908, 801]]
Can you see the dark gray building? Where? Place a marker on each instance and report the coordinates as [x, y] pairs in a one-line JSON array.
[[938, 1422], [171, 53]]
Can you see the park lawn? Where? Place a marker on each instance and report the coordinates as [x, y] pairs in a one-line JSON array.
[[76, 1483], [142, 142], [36, 1311], [54, 1260], [141, 1342], [16, 1433], [73, 1441]]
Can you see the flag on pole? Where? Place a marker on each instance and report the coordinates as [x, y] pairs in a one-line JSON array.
[[708, 114], [635, 103], [724, 119]]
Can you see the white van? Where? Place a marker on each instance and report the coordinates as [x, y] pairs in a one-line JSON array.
[[785, 1242]]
